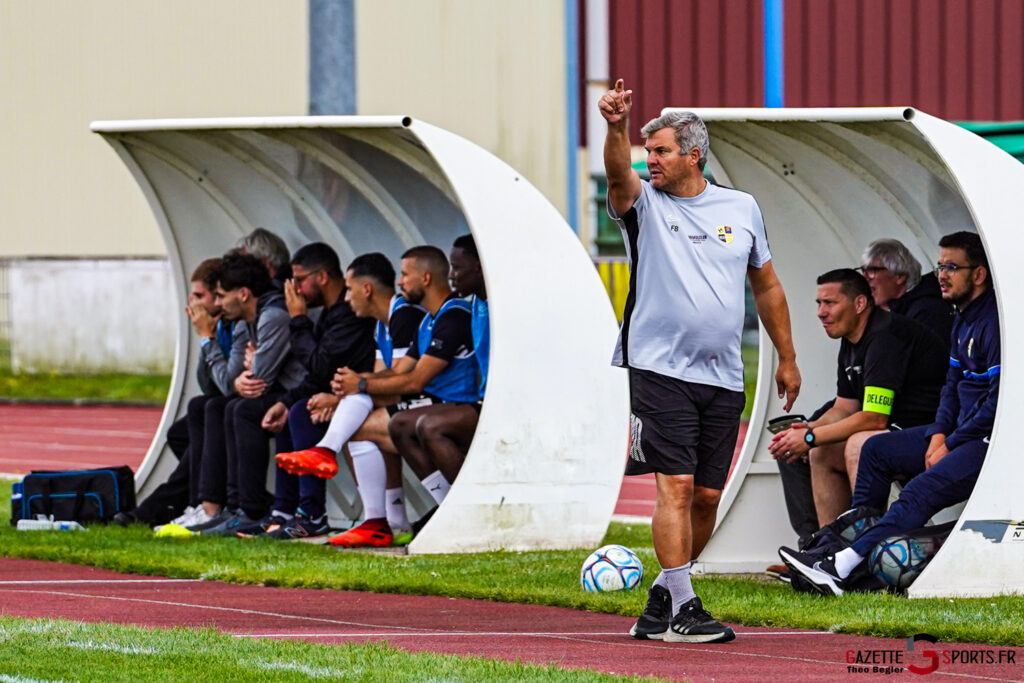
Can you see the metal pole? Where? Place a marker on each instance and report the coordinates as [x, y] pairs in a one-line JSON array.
[[332, 57], [572, 111], [774, 74]]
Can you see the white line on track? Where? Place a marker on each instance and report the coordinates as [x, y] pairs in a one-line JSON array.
[[92, 431], [631, 519], [80, 448], [457, 634], [238, 610], [94, 581], [492, 633]]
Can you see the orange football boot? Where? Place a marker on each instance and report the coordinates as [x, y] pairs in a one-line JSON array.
[[316, 460], [373, 533]]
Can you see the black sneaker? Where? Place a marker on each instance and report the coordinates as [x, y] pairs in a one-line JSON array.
[[818, 570], [212, 522], [230, 525], [780, 572], [262, 526], [126, 518], [693, 624], [301, 528], [418, 525], [653, 621]]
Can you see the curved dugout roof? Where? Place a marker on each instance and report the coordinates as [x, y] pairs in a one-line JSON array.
[[829, 181], [545, 466]]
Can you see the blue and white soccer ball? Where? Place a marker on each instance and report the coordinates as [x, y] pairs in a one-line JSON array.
[[611, 568], [898, 560]]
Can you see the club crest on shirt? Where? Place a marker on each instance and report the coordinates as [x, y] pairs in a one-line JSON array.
[[724, 233], [673, 223]]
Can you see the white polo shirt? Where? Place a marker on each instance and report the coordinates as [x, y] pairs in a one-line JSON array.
[[688, 258]]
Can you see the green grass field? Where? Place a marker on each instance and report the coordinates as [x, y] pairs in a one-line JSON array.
[[543, 578], [150, 389], [63, 650]]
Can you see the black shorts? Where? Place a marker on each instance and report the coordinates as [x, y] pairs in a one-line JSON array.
[[680, 427], [475, 405], [410, 401]]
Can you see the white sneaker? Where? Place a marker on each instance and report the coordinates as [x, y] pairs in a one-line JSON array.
[[183, 518], [191, 517], [180, 520], [199, 517]]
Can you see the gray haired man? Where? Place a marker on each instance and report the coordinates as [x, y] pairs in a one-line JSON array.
[[897, 285], [691, 245]]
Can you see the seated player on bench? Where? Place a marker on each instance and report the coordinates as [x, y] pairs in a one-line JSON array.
[[945, 457]]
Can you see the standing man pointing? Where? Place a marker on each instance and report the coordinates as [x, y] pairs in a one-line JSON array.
[[690, 246]]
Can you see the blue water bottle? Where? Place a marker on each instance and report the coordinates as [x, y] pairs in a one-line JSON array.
[[16, 494]]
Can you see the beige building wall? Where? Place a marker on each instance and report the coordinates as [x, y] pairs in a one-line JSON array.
[[63, 191], [491, 71]]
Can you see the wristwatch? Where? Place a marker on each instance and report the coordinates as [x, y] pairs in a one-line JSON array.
[[809, 438], [361, 387]]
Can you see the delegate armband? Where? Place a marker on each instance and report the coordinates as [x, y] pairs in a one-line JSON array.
[[878, 400]]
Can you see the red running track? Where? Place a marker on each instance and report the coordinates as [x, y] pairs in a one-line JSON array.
[[66, 437], [546, 635]]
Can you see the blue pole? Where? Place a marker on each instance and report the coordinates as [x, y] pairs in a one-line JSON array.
[[774, 85], [572, 111]]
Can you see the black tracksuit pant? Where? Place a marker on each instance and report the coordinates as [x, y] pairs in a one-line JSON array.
[[169, 499]]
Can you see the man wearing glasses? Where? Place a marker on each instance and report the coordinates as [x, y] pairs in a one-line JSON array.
[[338, 338], [898, 285], [890, 374], [945, 457]]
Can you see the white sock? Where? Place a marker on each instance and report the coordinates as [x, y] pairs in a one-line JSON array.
[[371, 477], [846, 560], [437, 486], [660, 581], [394, 501], [348, 418], [678, 581], [282, 515]]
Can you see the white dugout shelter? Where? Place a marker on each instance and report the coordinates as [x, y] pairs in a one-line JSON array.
[[545, 466], [829, 181]]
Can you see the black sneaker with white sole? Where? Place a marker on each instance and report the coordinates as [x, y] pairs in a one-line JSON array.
[[694, 624], [819, 571], [657, 614], [230, 526]]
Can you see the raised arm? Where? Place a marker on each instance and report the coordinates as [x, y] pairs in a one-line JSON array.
[[623, 182]]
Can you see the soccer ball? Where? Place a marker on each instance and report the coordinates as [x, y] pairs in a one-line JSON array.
[[855, 521], [899, 559], [611, 568]]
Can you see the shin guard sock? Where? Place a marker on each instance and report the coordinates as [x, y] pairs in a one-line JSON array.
[[371, 479], [437, 486], [348, 418]]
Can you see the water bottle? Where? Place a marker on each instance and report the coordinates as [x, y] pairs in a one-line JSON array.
[[48, 524], [35, 524]]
